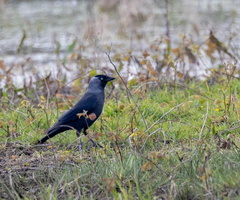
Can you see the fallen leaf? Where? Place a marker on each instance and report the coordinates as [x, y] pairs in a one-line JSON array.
[[147, 166], [92, 116]]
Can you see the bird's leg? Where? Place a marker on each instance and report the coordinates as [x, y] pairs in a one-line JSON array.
[[78, 134], [95, 144], [80, 141]]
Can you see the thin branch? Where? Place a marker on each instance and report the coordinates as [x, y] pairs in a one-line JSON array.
[[152, 82], [186, 87], [229, 129], [167, 19], [204, 123], [48, 92], [151, 135], [164, 116], [125, 85]]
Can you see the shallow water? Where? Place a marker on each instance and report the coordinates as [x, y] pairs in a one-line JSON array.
[[51, 24]]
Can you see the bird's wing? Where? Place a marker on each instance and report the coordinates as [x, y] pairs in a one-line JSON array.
[[87, 103]]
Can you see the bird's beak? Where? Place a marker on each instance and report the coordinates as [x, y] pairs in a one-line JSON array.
[[110, 78]]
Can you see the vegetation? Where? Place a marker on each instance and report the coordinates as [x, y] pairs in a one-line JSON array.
[[164, 141], [169, 129]]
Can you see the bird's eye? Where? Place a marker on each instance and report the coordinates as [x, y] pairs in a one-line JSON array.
[[101, 79]]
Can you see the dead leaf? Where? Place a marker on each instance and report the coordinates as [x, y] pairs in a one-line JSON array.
[[14, 157], [147, 166], [110, 183], [92, 116], [143, 62], [145, 54], [121, 107], [117, 57], [58, 95], [175, 51], [179, 74], [2, 66], [126, 58], [151, 70], [83, 114], [203, 177]]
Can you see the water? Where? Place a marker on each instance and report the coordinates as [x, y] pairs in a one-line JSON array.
[[128, 25]]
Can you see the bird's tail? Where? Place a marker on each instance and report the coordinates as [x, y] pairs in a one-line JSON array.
[[51, 133]]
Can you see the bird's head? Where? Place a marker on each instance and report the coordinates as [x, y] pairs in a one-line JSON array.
[[99, 82]]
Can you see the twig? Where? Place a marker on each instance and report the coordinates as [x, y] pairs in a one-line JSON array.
[[161, 170], [152, 82], [167, 20], [204, 123], [18, 112], [186, 87], [48, 92], [125, 85], [229, 129], [75, 180], [184, 161], [151, 135], [164, 116]]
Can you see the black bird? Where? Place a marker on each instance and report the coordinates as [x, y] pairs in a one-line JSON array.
[[85, 112]]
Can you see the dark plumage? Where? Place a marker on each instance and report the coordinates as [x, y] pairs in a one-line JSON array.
[[85, 112]]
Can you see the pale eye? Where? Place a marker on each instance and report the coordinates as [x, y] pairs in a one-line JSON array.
[[101, 79]]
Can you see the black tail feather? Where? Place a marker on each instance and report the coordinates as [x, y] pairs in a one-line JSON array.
[[51, 133]]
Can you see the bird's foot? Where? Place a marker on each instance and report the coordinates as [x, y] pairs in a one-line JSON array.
[[95, 144], [80, 147]]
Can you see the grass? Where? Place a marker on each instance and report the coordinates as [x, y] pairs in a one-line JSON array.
[[183, 145], [174, 137]]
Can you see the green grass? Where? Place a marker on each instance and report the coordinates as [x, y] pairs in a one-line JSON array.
[[169, 148]]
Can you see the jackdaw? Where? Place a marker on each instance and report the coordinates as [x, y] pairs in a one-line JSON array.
[[85, 112]]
